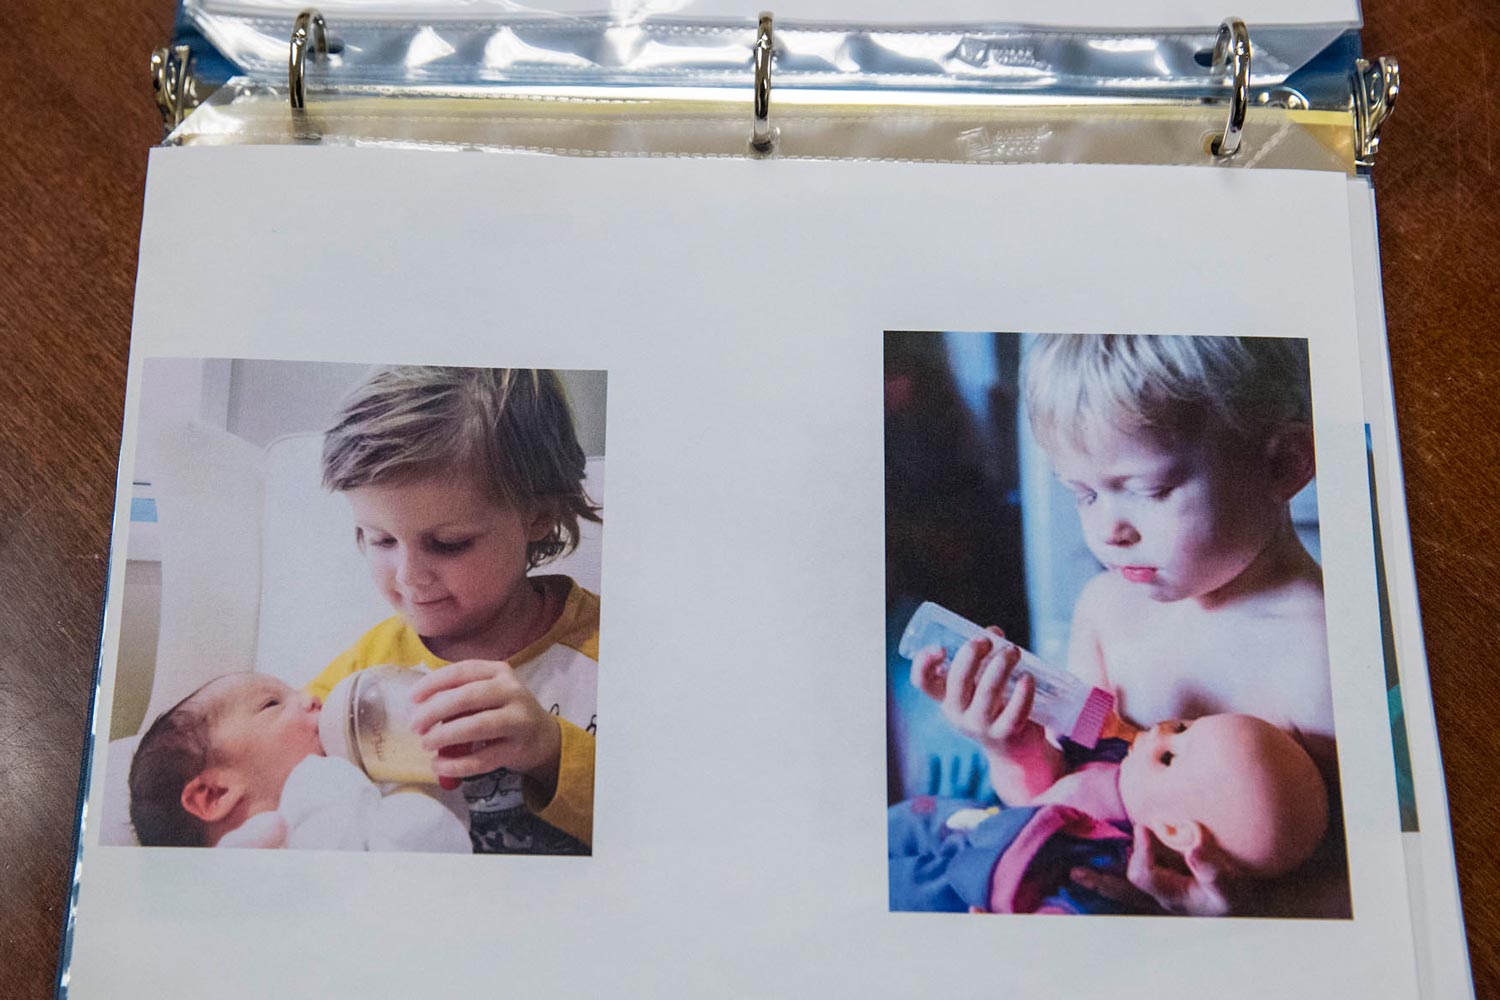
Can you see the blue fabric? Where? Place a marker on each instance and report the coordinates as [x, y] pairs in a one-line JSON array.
[[934, 869]]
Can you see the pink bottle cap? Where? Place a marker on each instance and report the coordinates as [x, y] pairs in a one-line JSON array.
[[1095, 713]]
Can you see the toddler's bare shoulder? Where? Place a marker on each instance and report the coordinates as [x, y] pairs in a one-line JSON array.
[[1299, 602]]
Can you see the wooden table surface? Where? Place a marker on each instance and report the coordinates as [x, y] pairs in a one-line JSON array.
[[78, 120]]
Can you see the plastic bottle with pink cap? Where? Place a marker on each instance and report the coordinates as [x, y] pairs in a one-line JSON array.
[[1063, 703]]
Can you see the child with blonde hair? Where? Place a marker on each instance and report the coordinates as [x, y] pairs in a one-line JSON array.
[[1182, 455], [462, 481]]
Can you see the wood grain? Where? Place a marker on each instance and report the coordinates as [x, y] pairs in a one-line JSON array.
[[79, 121], [1439, 204]]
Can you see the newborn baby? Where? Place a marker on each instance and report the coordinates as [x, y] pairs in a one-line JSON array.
[[1230, 794], [238, 763]]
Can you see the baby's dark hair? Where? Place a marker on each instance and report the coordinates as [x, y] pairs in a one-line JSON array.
[[176, 749]]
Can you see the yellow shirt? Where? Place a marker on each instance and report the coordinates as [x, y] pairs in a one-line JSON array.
[[560, 669]]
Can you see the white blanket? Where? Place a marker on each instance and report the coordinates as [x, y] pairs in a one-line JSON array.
[[328, 804]]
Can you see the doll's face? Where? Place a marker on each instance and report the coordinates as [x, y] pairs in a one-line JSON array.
[[1236, 778], [1169, 768]]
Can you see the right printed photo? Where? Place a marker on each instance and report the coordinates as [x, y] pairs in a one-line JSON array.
[[1107, 672]]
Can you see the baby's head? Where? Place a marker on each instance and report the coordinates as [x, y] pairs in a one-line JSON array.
[[1181, 452], [461, 481], [218, 757], [1235, 778]]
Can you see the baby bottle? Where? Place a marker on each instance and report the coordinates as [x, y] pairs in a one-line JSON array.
[[366, 720], [1063, 703]]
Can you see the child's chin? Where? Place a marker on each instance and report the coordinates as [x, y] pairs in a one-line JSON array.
[[425, 618], [1162, 594]]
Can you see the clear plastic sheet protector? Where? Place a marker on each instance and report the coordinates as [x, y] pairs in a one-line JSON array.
[[739, 309], [811, 125], [1036, 46], [1085, 85]]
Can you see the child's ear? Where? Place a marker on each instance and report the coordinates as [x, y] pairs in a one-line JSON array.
[[543, 518], [1290, 460], [212, 795]]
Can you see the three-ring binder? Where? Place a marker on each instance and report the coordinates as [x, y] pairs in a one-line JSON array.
[[1019, 112]]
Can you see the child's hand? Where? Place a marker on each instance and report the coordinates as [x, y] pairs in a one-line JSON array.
[[1200, 892], [971, 692], [480, 716]]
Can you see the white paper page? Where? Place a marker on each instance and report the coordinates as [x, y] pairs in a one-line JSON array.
[[738, 309], [1437, 914]]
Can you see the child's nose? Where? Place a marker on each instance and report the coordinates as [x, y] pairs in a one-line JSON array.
[[411, 567], [1122, 533], [1115, 526]]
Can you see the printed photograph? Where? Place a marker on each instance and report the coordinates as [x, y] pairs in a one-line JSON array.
[[360, 609], [1108, 681]]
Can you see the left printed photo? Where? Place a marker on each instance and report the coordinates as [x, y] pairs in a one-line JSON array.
[[361, 609]]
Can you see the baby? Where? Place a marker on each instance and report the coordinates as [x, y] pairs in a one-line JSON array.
[[238, 763], [1224, 797]]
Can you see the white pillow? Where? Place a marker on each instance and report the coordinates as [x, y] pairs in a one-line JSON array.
[[114, 824]]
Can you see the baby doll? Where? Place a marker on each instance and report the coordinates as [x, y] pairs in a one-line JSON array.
[[238, 763], [1228, 796]]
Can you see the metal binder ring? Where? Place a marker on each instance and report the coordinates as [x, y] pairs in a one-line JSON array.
[[763, 137], [296, 66], [1233, 47]]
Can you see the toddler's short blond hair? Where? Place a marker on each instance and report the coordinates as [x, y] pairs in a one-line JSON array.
[[509, 428], [1245, 388]]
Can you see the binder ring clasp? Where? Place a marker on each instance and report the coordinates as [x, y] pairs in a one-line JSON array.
[[763, 137], [1232, 51], [296, 66]]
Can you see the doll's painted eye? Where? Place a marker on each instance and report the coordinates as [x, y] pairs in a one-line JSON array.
[[1180, 727]]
